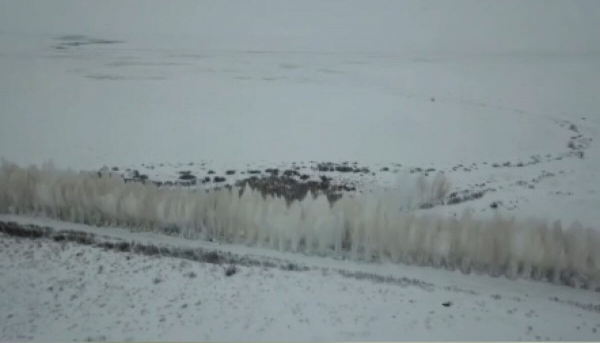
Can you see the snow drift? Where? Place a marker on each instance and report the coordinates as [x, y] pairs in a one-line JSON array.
[[382, 225]]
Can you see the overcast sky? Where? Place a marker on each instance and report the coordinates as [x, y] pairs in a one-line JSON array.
[[393, 26]]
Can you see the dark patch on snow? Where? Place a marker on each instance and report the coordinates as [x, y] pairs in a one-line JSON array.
[[292, 267], [132, 176], [292, 189], [399, 281], [457, 289], [459, 197], [290, 173], [74, 41], [192, 254], [587, 307], [231, 270], [343, 167], [186, 176]]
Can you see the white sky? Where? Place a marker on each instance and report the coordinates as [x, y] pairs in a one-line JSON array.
[[382, 26]]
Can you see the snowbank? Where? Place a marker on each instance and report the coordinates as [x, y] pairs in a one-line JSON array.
[[381, 225]]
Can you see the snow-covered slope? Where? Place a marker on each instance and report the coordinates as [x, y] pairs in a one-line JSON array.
[[456, 86], [388, 225], [500, 96], [57, 289]]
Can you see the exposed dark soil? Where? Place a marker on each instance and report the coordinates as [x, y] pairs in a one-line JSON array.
[[344, 167], [292, 189]]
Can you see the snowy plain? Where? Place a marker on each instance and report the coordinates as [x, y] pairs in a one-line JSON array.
[[269, 83], [460, 86], [60, 290]]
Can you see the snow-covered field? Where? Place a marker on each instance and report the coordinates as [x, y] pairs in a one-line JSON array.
[[501, 96], [429, 84], [59, 290]]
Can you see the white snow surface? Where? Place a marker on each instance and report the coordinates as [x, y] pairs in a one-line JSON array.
[[58, 291], [498, 95], [266, 83]]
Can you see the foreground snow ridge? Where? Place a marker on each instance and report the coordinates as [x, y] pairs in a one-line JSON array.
[[369, 226]]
